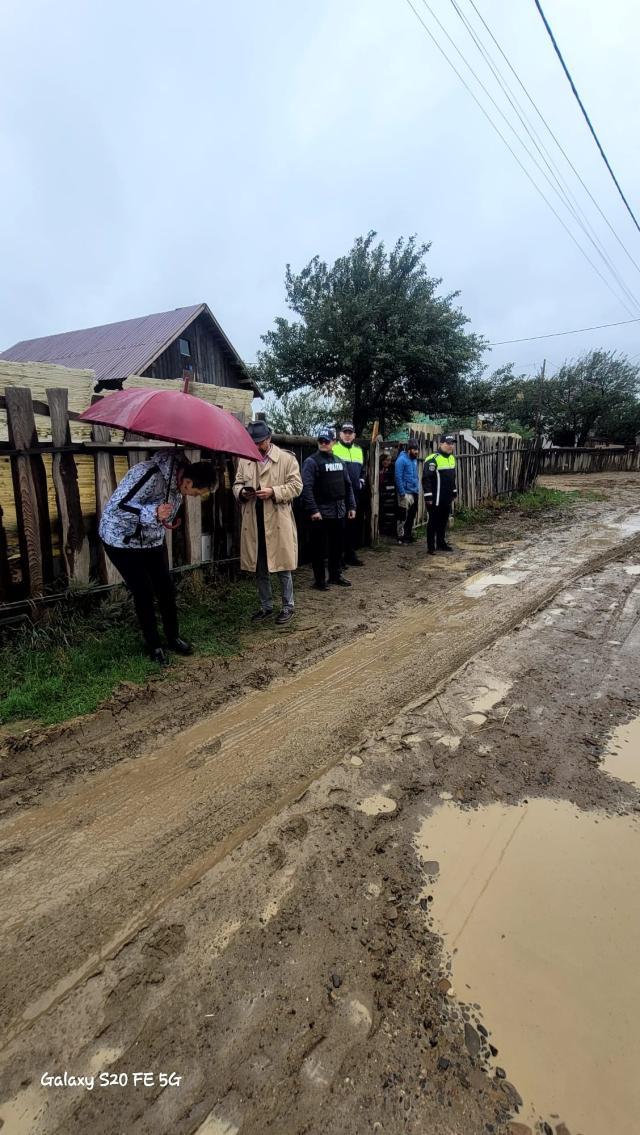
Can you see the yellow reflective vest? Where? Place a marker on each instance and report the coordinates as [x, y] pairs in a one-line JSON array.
[[353, 457], [439, 478]]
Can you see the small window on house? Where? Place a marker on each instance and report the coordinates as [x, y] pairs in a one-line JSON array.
[[185, 348]]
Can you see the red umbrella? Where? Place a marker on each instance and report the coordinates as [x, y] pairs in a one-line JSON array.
[[174, 415]]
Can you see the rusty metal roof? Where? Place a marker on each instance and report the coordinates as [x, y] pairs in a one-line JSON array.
[[116, 350]]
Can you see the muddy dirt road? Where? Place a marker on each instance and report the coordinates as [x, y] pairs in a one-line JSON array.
[[239, 898]]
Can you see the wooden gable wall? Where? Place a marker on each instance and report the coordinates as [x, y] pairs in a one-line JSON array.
[[209, 359]]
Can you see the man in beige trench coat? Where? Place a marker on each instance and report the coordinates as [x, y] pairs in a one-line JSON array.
[[269, 538]]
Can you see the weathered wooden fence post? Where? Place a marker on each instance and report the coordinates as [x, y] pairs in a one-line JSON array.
[[105, 481], [374, 489], [134, 456], [5, 570], [73, 538], [192, 520], [30, 491]]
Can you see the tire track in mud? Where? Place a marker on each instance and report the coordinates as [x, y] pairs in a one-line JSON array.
[[123, 859]]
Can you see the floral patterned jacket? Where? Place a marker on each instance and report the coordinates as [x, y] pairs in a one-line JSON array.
[[130, 517]]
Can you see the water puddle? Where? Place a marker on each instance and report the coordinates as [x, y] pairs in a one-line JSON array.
[[481, 582], [449, 740], [476, 720], [215, 1124], [622, 756], [629, 526], [21, 1114], [376, 805], [103, 1059], [490, 696], [538, 907]]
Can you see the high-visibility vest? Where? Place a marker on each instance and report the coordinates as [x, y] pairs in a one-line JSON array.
[[442, 460], [439, 476], [348, 453]]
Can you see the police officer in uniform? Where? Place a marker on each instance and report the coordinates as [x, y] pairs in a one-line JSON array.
[[353, 457], [440, 491], [328, 499]]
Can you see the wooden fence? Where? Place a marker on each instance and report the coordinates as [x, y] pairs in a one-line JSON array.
[[590, 461], [498, 465], [52, 494], [49, 521]]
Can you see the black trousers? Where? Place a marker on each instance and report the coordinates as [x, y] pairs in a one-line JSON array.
[[146, 573], [437, 525], [406, 517], [350, 540], [326, 543]]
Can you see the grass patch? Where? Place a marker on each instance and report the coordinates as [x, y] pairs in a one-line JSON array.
[[71, 660], [527, 504]]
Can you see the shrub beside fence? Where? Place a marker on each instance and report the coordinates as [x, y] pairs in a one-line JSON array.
[[52, 493]]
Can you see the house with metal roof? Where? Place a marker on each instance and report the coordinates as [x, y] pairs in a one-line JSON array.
[[159, 346]]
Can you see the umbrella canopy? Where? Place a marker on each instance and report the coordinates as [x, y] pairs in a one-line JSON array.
[[172, 415]]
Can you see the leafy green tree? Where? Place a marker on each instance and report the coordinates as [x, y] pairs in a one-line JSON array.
[[372, 332], [499, 399], [595, 394], [583, 394], [303, 412], [621, 424]]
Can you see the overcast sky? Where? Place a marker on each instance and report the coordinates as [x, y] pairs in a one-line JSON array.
[[156, 154]]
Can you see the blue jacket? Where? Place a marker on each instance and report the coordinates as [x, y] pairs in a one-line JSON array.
[[406, 474]]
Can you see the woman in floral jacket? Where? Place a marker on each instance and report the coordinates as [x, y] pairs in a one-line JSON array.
[[132, 529]]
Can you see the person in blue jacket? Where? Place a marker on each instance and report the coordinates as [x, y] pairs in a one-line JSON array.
[[407, 490]]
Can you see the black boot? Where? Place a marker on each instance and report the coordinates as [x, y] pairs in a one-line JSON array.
[[158, 655], [261, 615], [179, 646], [340, 581]]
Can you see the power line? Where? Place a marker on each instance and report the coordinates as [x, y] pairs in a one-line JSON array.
[[527, 173], [557, 334], [555, 138], [560, 188], [584, 112]]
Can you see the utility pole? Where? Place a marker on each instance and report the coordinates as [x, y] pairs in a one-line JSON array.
[[540, 397]]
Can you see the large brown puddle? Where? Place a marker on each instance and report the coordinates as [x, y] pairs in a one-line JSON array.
[[538, 905], [622, 758]]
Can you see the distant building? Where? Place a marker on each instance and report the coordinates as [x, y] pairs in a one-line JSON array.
[[157, 346]]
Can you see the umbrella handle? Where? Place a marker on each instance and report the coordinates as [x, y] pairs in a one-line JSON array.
[[170, 526]]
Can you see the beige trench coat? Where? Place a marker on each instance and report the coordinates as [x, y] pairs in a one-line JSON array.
[[282, 474]]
